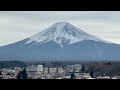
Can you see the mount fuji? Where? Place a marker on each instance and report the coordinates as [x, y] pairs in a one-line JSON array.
[[61, 41]]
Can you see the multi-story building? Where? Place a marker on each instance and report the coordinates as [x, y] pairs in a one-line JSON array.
[[35, 69]]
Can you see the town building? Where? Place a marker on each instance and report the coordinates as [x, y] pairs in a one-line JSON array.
[[35, 69]]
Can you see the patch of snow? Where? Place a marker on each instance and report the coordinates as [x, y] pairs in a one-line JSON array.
[[62, 32]]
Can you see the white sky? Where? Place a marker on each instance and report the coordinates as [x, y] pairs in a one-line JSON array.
[[18, 25]]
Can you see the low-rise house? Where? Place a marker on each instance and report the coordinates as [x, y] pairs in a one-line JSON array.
[[117, 77], [80, 75], [103, 77], [114, 78]]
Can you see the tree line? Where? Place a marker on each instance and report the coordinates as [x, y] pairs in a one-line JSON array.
[[12, 64], [104, 69]]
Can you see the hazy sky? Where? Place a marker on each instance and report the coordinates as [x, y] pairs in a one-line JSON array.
[[18, 25]]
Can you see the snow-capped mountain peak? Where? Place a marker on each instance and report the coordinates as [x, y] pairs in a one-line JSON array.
[[61, 42], [62, 32]]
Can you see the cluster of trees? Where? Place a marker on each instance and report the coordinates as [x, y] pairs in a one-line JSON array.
[[22, 74], [101, 69], [12, 64]]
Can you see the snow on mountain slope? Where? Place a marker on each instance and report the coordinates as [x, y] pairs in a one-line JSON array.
[[61, 41], [62, 32]]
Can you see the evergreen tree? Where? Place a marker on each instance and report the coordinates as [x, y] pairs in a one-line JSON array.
[[73, 76], [19, 75], [24, 74], [110, 63], [57, 69], [91, 73], [83, 68], [48, 70], [0, 72], [43, 67]]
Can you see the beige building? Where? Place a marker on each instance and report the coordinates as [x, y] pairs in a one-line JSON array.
[[53, 70]]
